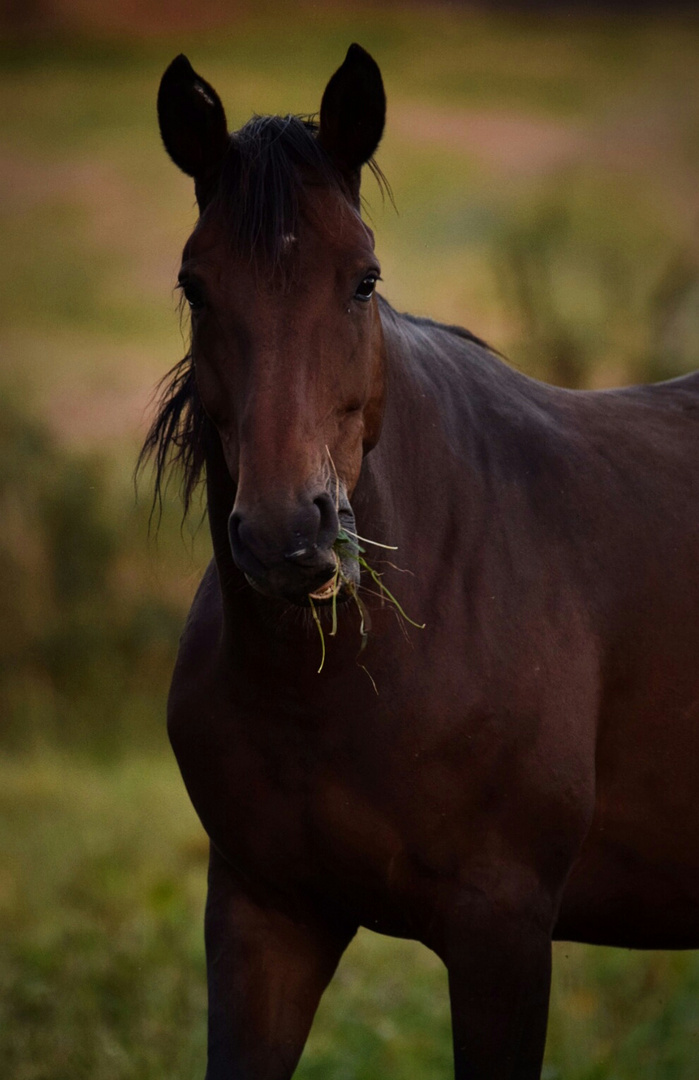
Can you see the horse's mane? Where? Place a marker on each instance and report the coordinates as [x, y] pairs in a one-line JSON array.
[[178, 435], [449, 328]]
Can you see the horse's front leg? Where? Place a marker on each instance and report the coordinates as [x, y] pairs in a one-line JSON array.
[[266, 973], [499, 962]]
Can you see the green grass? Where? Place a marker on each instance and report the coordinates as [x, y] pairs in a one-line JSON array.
[[102, 878]]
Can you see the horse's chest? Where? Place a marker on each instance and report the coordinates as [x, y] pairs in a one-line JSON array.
[[289, 803], [293, 808], [386, 812]]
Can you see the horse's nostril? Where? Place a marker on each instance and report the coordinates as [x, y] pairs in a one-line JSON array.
[[233, 530], [329, 524], [299, 536], [241, 548]]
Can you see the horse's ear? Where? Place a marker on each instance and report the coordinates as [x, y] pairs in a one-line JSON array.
[[192, 122], [353, 111]]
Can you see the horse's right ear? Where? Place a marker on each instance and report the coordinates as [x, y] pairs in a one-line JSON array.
[[192, 122], [353, 111]]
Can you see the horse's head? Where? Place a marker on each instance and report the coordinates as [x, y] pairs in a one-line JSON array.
[[287, 348]]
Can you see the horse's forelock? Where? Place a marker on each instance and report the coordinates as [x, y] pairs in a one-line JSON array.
[[269, 163]]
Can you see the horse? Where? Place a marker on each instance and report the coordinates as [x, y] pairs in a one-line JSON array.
[[522, 769]]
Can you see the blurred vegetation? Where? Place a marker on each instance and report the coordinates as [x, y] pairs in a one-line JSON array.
[[545, 171], [598, 303], [86, 638]]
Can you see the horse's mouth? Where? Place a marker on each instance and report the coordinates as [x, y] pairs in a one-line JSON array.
[[334, 591], [327, 591], [305, 585], [332, 588]]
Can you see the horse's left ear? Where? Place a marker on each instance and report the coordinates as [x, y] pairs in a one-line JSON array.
[[192, 124], [353, 112]]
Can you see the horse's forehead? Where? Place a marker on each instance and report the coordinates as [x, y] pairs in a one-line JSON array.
[[335, 229], [332, 218], [326, 222]]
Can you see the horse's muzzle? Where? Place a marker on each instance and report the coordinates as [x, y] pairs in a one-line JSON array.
[[294, 555]]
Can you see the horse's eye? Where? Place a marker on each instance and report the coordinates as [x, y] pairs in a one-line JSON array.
[[366, 287], [193, 294]]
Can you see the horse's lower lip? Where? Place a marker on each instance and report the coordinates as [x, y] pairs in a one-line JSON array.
[[331, 587], [328, 590]]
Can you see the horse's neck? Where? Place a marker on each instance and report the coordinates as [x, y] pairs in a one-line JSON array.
[[423, 463], [220, 494]]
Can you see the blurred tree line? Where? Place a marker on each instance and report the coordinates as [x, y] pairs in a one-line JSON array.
[[596, 295], [37, 17], [87, 632]]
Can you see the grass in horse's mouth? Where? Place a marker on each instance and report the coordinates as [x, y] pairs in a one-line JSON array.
[[339, 580], [331, 588]]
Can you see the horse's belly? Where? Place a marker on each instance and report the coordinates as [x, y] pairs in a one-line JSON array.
[[636, 880], [612, 898]]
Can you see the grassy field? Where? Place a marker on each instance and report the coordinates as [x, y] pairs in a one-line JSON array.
[[102, 872], [545, 176], [102, 890]]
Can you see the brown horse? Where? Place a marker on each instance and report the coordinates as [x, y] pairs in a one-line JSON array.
[[524, 768]]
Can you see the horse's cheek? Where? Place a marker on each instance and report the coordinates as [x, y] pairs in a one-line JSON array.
[[348, 450]]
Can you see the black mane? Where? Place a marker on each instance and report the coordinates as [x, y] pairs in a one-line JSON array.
[[178, 435]]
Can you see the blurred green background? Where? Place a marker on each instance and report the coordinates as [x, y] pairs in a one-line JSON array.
[[545, 173]]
